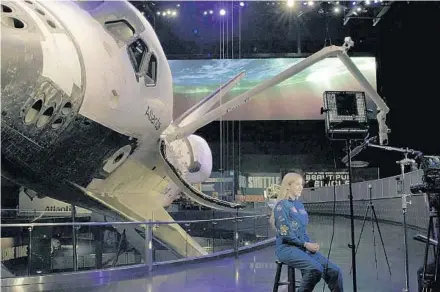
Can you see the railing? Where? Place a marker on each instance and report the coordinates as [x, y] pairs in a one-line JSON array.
[[35, 249], [387, 197]]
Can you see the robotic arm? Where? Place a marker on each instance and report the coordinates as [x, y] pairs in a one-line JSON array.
[[331, 51]]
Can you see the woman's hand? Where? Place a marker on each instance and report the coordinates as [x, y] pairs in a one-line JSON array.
[[312, 247]]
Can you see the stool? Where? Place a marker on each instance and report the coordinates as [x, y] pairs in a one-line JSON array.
[[291, 282]]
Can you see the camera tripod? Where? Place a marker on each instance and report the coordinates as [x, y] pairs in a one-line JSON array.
[[405, 197], [431, 273], [373, 219]]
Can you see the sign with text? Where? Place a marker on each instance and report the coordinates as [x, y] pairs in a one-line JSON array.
[[11, 250], [46, 207], [316, 179], [259, 180]]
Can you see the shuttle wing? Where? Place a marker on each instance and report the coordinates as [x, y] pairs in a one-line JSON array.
[[136, 193]]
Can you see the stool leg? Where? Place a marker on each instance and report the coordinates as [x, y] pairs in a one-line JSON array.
[[291, 279], [277, 278]]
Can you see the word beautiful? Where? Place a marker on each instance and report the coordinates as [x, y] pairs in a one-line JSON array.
[[326, 178]]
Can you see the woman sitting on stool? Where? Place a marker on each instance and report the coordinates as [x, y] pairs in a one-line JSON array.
[[293, 245]]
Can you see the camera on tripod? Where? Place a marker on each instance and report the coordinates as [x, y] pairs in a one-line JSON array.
[[430, 273], [430, 180], [431, 175]]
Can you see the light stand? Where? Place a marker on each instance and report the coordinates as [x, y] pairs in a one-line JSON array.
[[352, 245], [405, 199], [346, 119]]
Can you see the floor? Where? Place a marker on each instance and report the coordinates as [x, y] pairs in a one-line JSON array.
[[255, 271]]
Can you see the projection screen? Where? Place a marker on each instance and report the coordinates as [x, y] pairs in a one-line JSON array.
[[297, 98]]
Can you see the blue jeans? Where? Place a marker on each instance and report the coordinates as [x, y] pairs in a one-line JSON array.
[[313, 268]]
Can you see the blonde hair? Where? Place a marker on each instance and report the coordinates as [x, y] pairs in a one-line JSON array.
[[284, 193]]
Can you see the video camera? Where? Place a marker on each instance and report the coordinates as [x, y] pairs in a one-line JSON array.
[[429, 275], [431, 176]]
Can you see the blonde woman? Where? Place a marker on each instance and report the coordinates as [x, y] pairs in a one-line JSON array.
[[293, 245]]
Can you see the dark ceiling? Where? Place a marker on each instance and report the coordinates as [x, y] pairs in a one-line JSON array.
[[261, 26]]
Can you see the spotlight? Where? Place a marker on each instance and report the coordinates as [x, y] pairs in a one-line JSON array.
[[358, 9], [211, 12], [178, 5], [205, 13], [290, 3], [345, 114], [168, 12], [337, 2], [367, 2], [354, 3], [336, 9], [222, 12], [158, 13], [310, 3], [241, 4], [174, 13]]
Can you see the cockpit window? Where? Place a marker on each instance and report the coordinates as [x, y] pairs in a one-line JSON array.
[[137, 50], [121, 30], [151, 74]]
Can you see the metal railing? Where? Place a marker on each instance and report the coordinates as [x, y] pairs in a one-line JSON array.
[[36, 249]]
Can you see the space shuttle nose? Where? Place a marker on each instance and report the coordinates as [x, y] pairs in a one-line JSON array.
[[41, 72]]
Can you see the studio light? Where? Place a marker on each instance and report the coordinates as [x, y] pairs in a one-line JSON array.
[[241, 4], [290, 3], [222, 12], [346, 115]]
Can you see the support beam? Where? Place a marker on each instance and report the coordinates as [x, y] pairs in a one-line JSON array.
[[381, 14]]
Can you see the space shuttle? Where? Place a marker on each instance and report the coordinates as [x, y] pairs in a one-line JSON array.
[[86, 109]]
